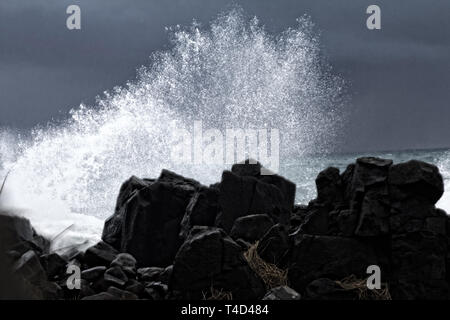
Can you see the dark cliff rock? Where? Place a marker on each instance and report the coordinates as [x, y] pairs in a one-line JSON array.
[[147, 224], [218, 262], [173, 238]]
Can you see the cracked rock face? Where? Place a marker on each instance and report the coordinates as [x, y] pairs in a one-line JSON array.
[[210, 258], [147, 224]]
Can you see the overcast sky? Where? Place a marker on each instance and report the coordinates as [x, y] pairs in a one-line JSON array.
[[399, 76]]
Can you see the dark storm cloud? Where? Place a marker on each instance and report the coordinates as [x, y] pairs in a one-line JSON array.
[[399, 77]]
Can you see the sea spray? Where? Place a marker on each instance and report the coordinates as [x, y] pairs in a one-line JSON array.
[[230, 74]]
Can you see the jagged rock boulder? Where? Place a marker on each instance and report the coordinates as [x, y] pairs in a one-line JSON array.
[[255, 169], [29, 268], [416, 179], [18, 235], [282, 293], [274, 245], [54, 265], [327, 289], [148, 223], [93, 274], [149, 274], [126, 262], [369, 196], [102, 296], [210, 258], [112, 232], [251, 228], [202, 210], [298, 216], [101, 254], [419, 266], [329, 186], [115, 276], [314, 257], [122, 294], [245, 195]]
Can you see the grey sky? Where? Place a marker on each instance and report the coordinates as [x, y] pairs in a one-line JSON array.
[[399, 77]]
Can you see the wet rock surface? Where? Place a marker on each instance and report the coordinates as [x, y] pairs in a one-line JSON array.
[[173, 238]]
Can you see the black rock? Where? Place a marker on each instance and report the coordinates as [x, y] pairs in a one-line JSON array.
[[329, 186], [202, 210], [85, 289], [282, 293], [156, 290], [252, 168], [298, 216], [166, 275], [126, 262], [122, 294], [416, 179], [30, 268], [149, 221], [243, 195], [367, 172], [53, 264], [93, 274], [327, 289], [332, 257], [251, 228], [274, 245], [101, 254], [101, 296], [149, 274], [243, 244], [316, 220], [135, 287], [419, 266], [34, 278], [343, 222], [368, 193], [112, 232], [209, 257], [18, 234], [115, 276]]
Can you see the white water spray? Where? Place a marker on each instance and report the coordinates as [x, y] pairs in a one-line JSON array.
[[232, 74]]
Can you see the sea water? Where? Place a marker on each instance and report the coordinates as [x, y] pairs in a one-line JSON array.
[[229, 74]]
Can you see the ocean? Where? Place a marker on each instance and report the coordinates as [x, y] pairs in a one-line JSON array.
[[231, 74], [304, 170]]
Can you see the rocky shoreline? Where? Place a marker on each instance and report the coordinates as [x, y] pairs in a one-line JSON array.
[[244, 238]]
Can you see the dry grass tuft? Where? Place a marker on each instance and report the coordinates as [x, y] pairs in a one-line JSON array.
[[216, 294], [269, 273], [364, 293]]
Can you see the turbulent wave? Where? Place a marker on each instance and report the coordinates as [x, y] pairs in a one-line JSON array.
[[229, 74], [444, 167]]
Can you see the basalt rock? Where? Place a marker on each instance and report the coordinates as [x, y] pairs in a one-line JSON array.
[[115, 276], [54, 265], [93, 274], [202, 210], [275, 245], [17, 234], [282, 293], [314, 257], [210, 258], [101, 254], [255, 169], [327, 289], [147, 225], [173, 238], [251, 228], [246, 195]]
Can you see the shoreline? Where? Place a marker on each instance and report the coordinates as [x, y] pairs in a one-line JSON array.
[[247, 236]]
